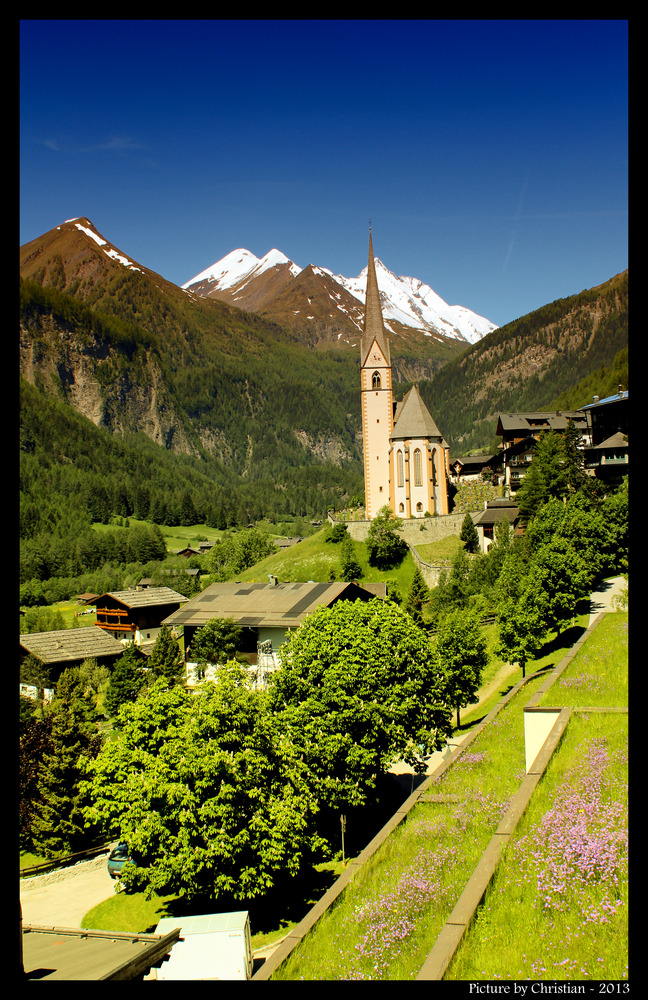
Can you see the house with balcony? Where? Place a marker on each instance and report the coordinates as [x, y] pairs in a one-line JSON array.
[[520, 433], [607, 454], [137, 615]]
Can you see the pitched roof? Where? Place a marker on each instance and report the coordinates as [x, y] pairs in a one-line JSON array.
[[536, 420], [617, 440], [413, 419], [374, 328], [254, 604], [71, 644], [150, 596], [497, 511]]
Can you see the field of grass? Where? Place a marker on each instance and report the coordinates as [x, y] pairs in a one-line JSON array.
[[313, 559], [557, 907], [441, 550], [598, 674]]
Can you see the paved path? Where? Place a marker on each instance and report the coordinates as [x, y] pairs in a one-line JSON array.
[[602, 599], [62, 899]]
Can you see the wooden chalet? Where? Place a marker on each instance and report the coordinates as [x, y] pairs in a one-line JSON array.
[[520, 433], [137, 615]]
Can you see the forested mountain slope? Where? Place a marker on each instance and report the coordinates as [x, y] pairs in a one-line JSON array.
[[528, 363]]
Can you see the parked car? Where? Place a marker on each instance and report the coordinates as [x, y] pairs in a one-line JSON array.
[[118, 858]]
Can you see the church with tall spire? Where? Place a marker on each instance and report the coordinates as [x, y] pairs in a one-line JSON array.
[[405, 456]]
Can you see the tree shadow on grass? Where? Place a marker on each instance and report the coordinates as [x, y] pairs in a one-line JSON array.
[[291, 898]]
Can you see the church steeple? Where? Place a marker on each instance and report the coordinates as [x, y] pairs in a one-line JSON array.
[[374, 328]]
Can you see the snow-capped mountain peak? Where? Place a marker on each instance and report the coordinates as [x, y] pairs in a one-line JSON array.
[[238, 266], [405, 301]]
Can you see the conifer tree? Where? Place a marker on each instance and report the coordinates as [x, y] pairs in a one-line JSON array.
[[417, 596], [349, 565], [59, 826], [165, 659], [126, 681], [468, 535]]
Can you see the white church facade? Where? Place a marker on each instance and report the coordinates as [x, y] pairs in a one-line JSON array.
[[405, 456]]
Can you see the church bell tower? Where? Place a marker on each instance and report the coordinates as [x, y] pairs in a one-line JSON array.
[[376, 397]]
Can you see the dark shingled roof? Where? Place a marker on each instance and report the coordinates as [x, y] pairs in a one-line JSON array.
[[71, 644], [413, 419], [283, 604], [149, 597]]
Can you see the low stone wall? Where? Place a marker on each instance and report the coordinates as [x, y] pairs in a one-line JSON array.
[[418, 531]]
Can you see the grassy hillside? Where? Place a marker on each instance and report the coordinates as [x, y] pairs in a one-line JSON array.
[[314, 558]]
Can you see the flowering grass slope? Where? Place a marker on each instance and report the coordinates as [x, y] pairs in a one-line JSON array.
[[558, 904]]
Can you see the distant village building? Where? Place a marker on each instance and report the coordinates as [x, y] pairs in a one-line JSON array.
[[137, 615], [405, 455], [607, 456], [495, 512], [68, 647], [520, 433]]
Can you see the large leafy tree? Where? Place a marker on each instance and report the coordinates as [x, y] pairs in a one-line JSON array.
[[521, 627], [216, 642], [208, 791], [462, 654], [358, 690]]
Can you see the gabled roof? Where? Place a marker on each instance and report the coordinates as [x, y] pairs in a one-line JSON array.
[[412, 418], [71, 644], [149, 597], [617, 440], [282, 605], [497, 511], [539, 420]]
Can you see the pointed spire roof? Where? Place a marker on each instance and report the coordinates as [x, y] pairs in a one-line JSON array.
[[413, 419], [374, 328]]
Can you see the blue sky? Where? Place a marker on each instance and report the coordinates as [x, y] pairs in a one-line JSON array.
[[490, 156]]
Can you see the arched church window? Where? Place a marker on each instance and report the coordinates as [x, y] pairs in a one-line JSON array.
[[401, 468], [375, 380], [434, 475], [418, 470], [419, 507], [401, 508]]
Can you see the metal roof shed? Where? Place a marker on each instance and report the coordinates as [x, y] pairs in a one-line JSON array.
[[211, 946]]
